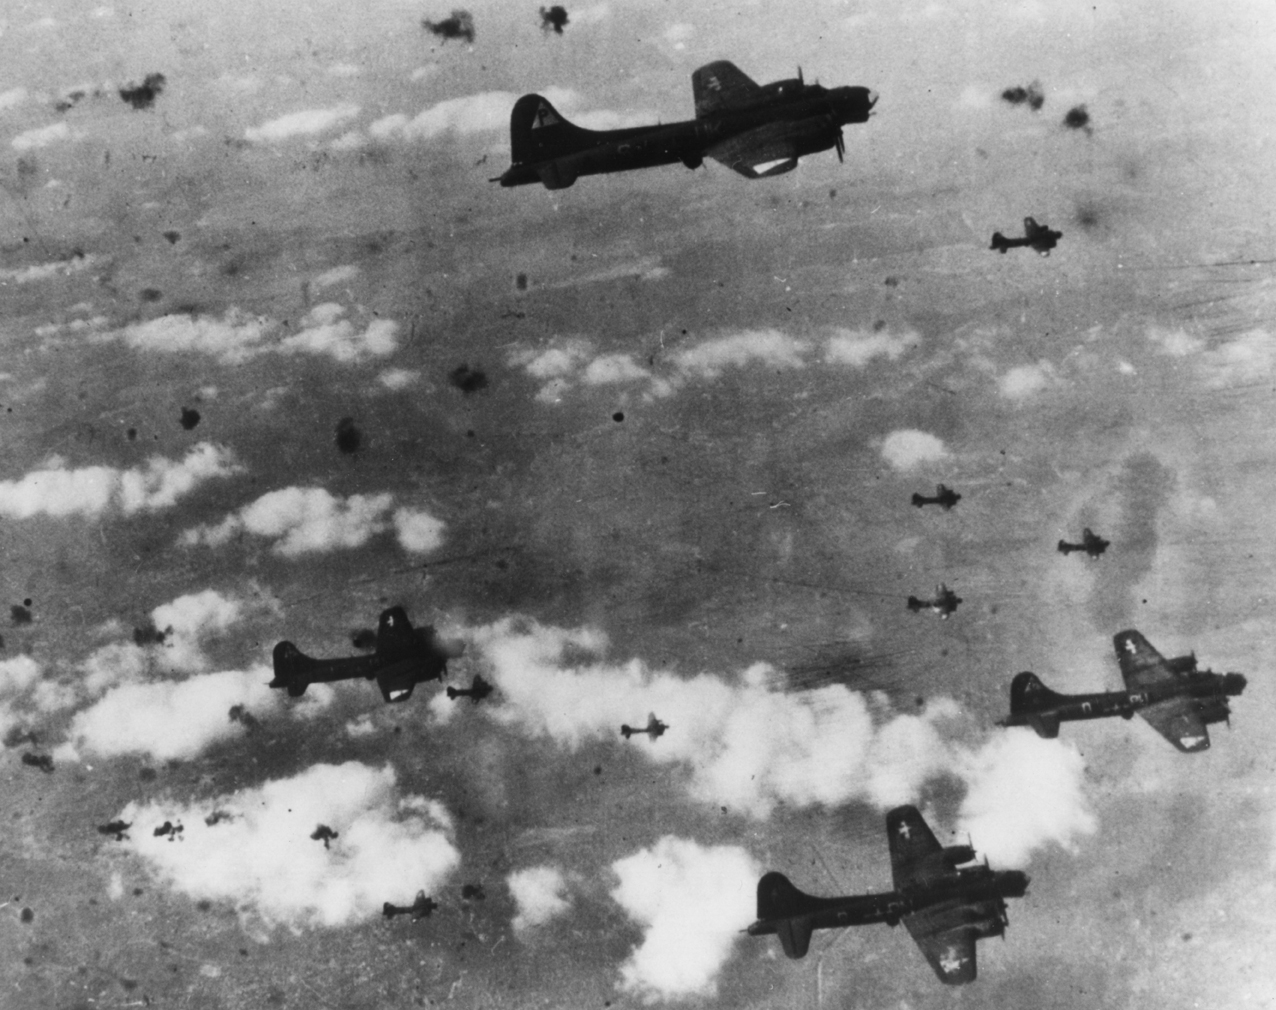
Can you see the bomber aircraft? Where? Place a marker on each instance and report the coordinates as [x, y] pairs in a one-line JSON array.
[[944, 603], [945, 905], [404, 657], [1035, 236], [476, 692], [756, 130], [653, 729], [1171, 694], [421, 908], [944, 496], [1091, 543]]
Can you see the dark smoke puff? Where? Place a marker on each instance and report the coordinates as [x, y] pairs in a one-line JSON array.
[[459, 26], [1077, 118], [554, 18], [1032, 96], [142, 96], [348, 437]]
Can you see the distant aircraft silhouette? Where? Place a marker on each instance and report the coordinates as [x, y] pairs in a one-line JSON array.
[[944, 496], [944, 603], [421, 908], [1036, 236], [476, 692], [653, 729], [324, 834], [1091, 543], [117, 828], [404, 657]]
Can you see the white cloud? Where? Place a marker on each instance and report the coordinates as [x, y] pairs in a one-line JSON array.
[[324, 331], [41, 136], [169, 719], [554, 362], [1248, 359], [398, 378], [710, 358], [116, 663], [613, 368], [44, 271], [1022, 792], [309, 520], [188, 620], [1023, 381], [1176, 343], [90, 491], [233, 339], [858, 348], [12, 98], [692, 901], [906, 448], [18, 674], [744, 745], [538, 894], [263, 860], [299, 124], [337, 275], [417, 531]]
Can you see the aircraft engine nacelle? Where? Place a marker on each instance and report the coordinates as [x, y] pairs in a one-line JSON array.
[[1214, 710], [955, 855]]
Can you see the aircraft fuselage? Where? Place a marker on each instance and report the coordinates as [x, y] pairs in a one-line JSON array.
[[811, 120], [1054, 707], [966, 886]]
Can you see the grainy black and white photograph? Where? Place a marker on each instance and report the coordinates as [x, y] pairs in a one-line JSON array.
[[637, 505]]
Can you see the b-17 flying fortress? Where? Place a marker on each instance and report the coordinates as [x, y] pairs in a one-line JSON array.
[[1178, 700], [404, 657], [1091, 543], [756, 130], [1037, 237], [944, 903], [654, 728], [944, 604], [944, 496]]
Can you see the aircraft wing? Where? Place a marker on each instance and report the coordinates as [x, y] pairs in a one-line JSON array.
[[721, 86], [754, 153], [914, 849], [397, 680], [1141, 665], [1177, 720], [951, 952]]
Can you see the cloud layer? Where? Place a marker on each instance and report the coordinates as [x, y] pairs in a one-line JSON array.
[[692, 901], [309, 520], [56, 490], [261, 858]]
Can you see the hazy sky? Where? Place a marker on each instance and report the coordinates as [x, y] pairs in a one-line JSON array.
[[681, 486]]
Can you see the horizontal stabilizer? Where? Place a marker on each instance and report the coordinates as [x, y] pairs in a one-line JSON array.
[[1046, 726], [795, 936]]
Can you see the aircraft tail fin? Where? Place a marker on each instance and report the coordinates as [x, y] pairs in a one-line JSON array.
[[1029, 694], [999, 242], [782, 903], [627, 731], [395, 638], [1031, 699], [538, 132], [918, 500], [291, 665]]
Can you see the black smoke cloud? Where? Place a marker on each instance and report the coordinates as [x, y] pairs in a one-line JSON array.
[[460, 25], [142, 96], [554, 18], [1077, 118], [1031, 96]]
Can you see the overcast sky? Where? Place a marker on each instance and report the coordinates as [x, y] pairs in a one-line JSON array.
[[279, 356]]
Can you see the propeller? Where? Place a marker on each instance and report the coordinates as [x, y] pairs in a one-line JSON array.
[[840, 144], [800, 81]]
